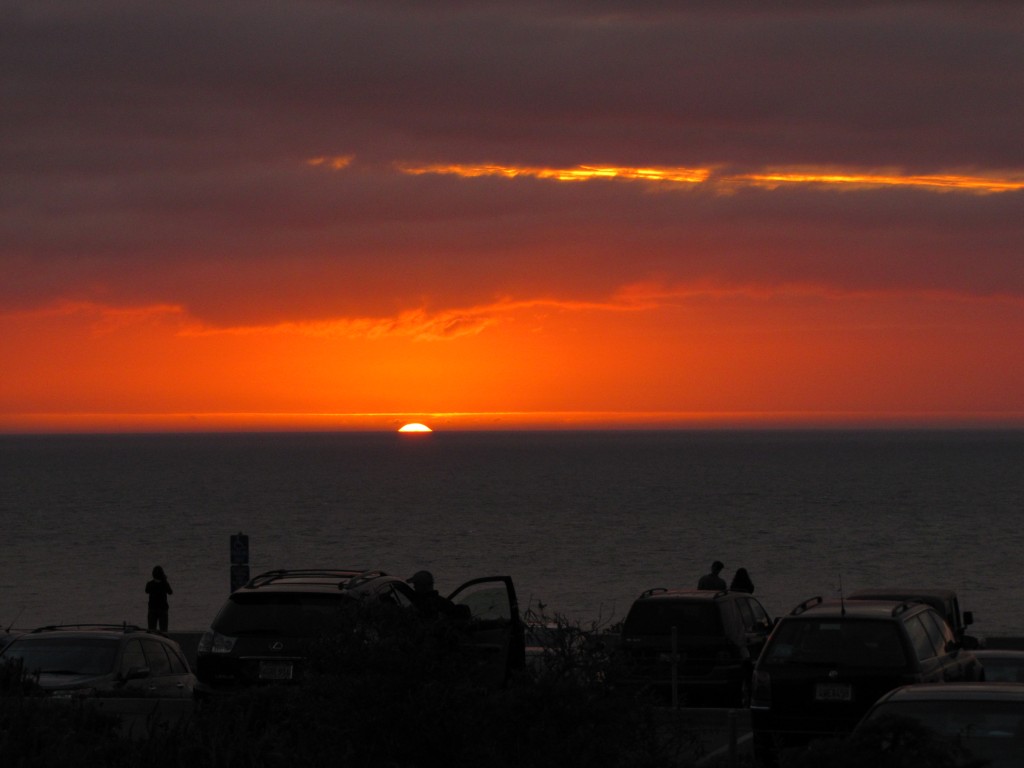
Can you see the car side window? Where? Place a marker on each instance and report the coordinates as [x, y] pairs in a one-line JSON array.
[[178, 665], [760, 614], [399, 597], [746, 615], [939, 630], [159, 665], [486, 602], [920, 639], [133, 657]]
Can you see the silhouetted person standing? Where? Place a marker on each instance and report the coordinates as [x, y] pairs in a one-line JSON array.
[[158, 588], [741, 582], [713, 580]]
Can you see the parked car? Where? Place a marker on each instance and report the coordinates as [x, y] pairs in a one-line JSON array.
[[986, 720], [945, 601], [827, 662], [694, 646], [120, 669], [263, 632], [1001, 666]]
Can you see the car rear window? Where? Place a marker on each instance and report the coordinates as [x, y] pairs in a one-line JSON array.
[[841, 641], [292, 614], [66, 655], [657, 617]]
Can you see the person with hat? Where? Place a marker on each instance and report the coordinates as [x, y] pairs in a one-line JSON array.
[[713, 580]]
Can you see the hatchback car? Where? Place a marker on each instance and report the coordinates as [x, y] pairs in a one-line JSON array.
[[827, 662], [122, 670], [264, 630], [694, 646], [985, 721]]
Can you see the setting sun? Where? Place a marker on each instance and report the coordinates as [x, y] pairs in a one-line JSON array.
[[415, 427]]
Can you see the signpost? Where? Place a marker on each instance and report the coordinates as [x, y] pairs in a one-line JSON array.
[[239, 560]]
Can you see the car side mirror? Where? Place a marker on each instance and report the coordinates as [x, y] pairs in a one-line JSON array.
[[136, 673]]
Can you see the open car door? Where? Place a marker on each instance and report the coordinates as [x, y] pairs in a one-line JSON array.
[[496, 631]]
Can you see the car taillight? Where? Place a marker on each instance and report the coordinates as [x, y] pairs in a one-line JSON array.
[[761, 694], [214, 642]]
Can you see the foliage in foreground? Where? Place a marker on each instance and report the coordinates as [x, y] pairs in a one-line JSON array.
[[887, 743], [388, 691], [35, 731]]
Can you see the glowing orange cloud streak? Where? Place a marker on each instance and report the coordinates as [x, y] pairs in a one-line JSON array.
[[461, 322], [937, 182], [335, 163], [418, 324], [579, 173], [767, 180]]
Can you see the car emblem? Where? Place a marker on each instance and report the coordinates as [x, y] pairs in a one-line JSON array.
[[277, 645], [833, 674]]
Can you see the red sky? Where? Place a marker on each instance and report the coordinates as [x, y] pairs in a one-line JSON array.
[[506, 214]]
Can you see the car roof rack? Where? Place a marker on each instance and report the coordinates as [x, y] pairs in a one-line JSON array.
[[653, 591], [122, 627], [806, 604], [326, 575], [361, 578]]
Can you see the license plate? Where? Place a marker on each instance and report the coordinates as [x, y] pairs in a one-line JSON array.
[[833, 692], [275, 670]]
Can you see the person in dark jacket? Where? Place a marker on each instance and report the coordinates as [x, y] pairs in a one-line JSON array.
[[158, 588], [741, 582], [713, 580], [428, 600]]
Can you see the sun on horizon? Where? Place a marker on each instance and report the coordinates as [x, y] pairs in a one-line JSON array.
[[415, 427]]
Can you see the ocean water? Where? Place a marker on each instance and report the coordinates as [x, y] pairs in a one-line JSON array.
[[583, 521]]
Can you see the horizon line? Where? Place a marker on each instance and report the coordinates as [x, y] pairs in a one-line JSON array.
[[475, 421]]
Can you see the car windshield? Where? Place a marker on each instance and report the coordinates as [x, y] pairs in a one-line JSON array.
[[294, 614], [657, 617], [64, 655], [834, 641]]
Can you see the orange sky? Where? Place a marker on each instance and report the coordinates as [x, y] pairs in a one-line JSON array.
[[643, 217]]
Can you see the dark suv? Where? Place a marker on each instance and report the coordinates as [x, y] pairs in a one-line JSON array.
[[694, 645], [827, 662], [944, 601], [263, 631]]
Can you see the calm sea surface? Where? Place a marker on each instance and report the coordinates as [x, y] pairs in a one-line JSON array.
[[583, 521]]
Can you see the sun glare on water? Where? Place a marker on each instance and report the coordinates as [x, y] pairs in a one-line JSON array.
[[415, 427]]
